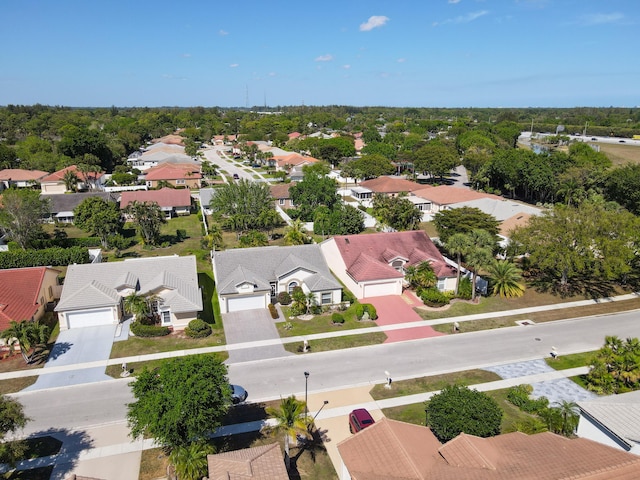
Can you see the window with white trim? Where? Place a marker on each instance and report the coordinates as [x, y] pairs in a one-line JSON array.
[[180, 181], [326, 298], [291, 286]]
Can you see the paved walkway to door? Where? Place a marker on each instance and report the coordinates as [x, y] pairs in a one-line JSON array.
[[251, 326], [395, 309]]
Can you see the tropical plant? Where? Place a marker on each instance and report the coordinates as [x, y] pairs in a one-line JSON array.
[[616, 366], [190, 461], [26, 335], [137, 305], [290, 421], [12, 419], [70, 179], [421, 276], [147, 217], [458, 245], [506, 279], [295, 233]]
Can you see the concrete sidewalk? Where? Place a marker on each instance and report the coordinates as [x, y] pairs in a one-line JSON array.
[[300, 339], [111, 454]]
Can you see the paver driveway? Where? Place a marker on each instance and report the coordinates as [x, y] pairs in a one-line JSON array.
[[394, 309], [252, 326], [78, 345]]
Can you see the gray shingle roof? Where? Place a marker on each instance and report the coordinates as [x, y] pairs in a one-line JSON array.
[[95, 285], [69, 201], [618, 413], [262, 265]]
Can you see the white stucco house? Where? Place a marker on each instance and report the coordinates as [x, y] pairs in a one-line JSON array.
[[93, 294], [251, 278]]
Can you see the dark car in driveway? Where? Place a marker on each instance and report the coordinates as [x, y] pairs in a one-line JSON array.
[[359, 419], [238, 394]]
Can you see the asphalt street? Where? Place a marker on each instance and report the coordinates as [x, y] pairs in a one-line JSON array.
[[105, 402]]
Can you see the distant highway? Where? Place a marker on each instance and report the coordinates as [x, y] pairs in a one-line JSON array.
[[525, 138]]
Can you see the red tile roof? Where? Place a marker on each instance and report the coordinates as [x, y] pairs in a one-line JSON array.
[[446, 194], [390, 185], [173, 171], [281, 190], [294, 135], [367, 257], [395, 450], [264, 462], [19, 290], [170, 140], [59, 175], [293, 159], [165, 197], [20, 175]]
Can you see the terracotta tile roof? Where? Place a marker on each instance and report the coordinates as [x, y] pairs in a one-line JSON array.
[[446, 194], [258, 463], [281, 190], [165, 197], [173, 171], [367, 257], [20, 175], [19, 289], [59, 175], [294, 135], [386, 451], [518, 220], [390, 185], [170, 140], [293, 159]]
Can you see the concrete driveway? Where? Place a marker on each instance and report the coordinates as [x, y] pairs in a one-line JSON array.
[[78, 345], [252, 326]]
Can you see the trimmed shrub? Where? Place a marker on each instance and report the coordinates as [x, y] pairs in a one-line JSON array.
[[359, 311], [371, 310], [181, 234], [273, 311], [140, 330], [66, 242], [198, 328], [433, 298], [347, 296], [519, 396], [465, 288], [337, 318], [284, 298], [49, 256]]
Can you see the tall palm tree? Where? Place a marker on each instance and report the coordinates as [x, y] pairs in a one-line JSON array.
[[190, 461], [139, 305], [569, 415], [27, 335], [421, 276], [295, 233], [70, 179], [479, 254], [506, 279], [458, 245], [290, 421]]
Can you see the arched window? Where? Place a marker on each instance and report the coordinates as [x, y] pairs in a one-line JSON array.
[[291, 286]]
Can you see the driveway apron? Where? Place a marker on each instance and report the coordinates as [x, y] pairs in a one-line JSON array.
[[394, 309], [78, 345], [252, 326]]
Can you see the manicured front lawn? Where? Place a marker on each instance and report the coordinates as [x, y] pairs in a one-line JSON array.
[[433, 383], [175, 341], [563, 362], [338, 343], [294, 327]]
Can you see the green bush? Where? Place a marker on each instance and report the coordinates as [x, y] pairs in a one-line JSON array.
[[181, 234], [273, 311], [347, 296], [465, 288], [66, 242], [198, 328], [140, 330], [284, 298], [359, 311], [519, 396], [337, 318], [119, 242], [433, 298], [371, 310], [50, 256]]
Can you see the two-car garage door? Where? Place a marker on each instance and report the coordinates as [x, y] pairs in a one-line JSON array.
[[90, 318], [380, 289], [250, 302]]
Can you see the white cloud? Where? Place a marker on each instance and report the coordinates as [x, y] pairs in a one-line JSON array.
[[234, 65], [324, 58], [401, 60], [272, 74], [223, 32], [469, 17], [600, 18], [373, 22], [346, 67], [186, 55], [453, 1]]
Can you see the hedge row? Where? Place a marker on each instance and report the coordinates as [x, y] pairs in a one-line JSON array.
[[361, 308], [50, 256], [519, 396], [273, 311], [140, 330], [88, 242]]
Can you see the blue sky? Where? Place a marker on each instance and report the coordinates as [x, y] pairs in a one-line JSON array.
[[414, 53]]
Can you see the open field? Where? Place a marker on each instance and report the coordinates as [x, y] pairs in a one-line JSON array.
[[620, 154]]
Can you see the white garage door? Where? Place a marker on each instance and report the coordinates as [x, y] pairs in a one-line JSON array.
[[90, 318], [237, 304], [379, 289]]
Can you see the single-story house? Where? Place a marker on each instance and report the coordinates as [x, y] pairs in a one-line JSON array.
[[206, 194], [374, 265], [93, 294], [390, 185], [280, 193], [613, 420], [54, 183], [61, 207], [25, 293], [17, 177], [185, 175], [290, 160], [159, 153], [361, 193], [264, 462], [394, 450], [172, 202], [251, 278]]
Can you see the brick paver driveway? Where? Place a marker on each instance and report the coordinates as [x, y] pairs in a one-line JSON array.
[[252, 326], [394, 309]]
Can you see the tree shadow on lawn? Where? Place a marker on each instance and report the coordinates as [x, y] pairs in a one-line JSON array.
[[590, 288]]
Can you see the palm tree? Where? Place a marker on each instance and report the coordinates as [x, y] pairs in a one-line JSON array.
[[479, 254], [421, 276], [569, 415], [506, 279], [27, 335], [290, 421], [295, 233], [70, 179], [458, 245], [139, 305], [190, 461]]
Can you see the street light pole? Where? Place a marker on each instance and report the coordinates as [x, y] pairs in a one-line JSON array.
[[306, 382], [313, 420]]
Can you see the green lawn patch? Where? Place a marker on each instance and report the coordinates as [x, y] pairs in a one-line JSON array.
[[563, 362], [175, 341], [433, 383], [136, 367], [294, 327], [338, 343]]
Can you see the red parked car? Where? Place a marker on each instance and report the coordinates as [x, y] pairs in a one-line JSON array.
[[360, 418]]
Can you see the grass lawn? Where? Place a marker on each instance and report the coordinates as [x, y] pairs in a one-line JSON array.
[[620, 154], [169, 343], [338, 343], [432, 383], [571, 361], [153, 464], [136, 367], [294, 327]]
